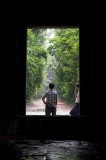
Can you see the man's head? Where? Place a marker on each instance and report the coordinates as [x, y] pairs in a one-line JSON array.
[[51, 85], [77, 85]]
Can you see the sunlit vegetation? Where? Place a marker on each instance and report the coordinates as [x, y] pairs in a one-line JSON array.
[[52, 56]]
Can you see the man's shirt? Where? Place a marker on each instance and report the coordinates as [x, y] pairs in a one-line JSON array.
[[51, 97], [77, 98]]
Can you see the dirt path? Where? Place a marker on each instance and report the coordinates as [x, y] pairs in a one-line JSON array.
[[38, 108]]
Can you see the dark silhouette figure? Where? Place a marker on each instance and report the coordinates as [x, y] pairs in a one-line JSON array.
[[50, 100]]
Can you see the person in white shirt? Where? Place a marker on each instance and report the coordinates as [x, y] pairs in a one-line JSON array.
[[77, 100], [76, 109]]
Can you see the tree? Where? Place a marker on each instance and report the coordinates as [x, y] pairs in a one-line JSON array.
[[36, 60], [65, 46]]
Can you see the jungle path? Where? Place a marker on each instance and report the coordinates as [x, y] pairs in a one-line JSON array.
[[38, 108]]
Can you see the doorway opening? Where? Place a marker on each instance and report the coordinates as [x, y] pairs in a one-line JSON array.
[[52, 56]]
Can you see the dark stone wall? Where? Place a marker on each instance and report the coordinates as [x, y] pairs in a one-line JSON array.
[[12, 71]]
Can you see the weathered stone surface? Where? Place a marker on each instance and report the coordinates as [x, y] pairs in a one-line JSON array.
[[52, 150]]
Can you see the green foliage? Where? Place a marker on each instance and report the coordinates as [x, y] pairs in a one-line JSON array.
[[58, 63], [66, 48], [36, 60]]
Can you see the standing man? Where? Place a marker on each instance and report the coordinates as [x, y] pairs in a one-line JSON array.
[[50, 100]]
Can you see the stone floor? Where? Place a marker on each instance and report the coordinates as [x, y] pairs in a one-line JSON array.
[[52, 150]]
